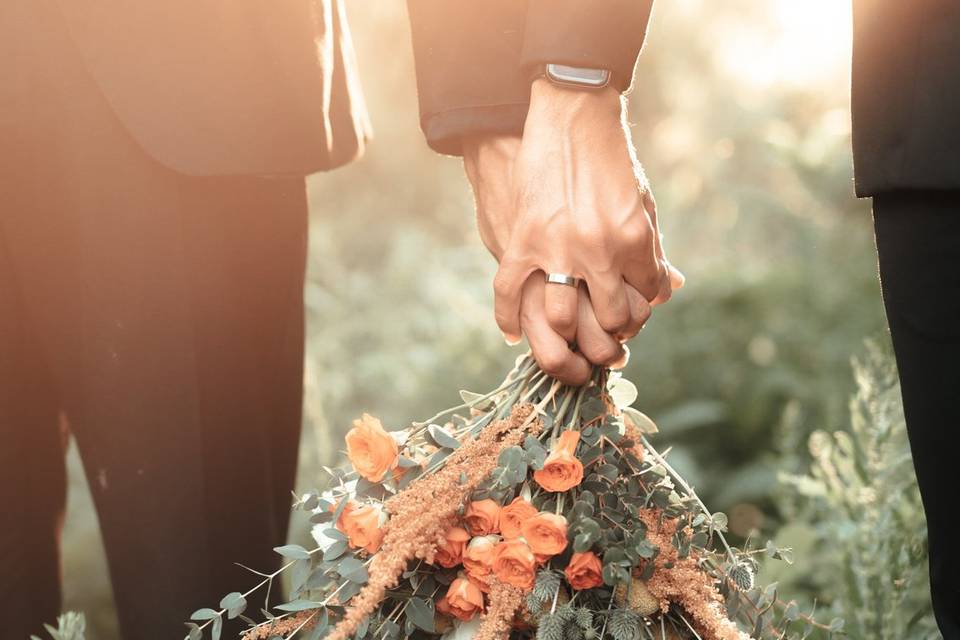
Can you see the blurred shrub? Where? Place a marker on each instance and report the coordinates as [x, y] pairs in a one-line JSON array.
[[70, 626], [857, 516]]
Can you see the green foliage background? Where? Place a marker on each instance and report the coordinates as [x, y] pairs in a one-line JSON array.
[[755, 186]]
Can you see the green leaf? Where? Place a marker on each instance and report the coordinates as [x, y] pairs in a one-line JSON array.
[[298, 575], [216, 629], [421, 612], [204, 614], [615, 574], [390, 631], [536, 453], [582, 542], [441, 438], [510, 457], [836, 625], [609, 471], [335, 534], [647, 550], [623, 393], [476, 400], [234, 603], [335, 550], [299, 605], [406, 463], [591, 409], [293, 551], [792, 611], [352, 569], [719, 521], [640, 420]]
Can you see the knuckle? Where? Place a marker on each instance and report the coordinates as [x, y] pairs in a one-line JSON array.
[[642, 311], [502, 284], [606, 353], [650, 281], [636, 231], [552, 362], [614, 318], [561, 316], [591, 234], [503, 319]]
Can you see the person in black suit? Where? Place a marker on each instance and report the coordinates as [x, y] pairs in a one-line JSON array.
[[906, 148], [152, 250]]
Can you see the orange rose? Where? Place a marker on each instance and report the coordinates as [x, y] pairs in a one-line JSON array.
[[513, 515], [482, 517], [478, 558], [546, 533], [584, 571], [363, 526], [561, 470], [450, 553], [372, 451], [463, 600], [514, 563]]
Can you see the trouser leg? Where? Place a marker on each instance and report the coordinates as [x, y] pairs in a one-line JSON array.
[[169, 309], [918, 242], [175, 329], [32, 475]]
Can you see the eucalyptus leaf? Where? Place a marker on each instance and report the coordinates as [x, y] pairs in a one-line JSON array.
[[421, 612], [352, 569], [335, 550], [293, 551], [204, 614], [234, 603], [441, 438], [643, 424], [623, 393], [299, 605]]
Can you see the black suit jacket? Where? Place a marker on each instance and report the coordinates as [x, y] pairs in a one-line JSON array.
[[906, 95], [227, 87], [475, 60]]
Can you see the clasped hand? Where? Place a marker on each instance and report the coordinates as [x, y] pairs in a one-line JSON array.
[[569, 197]]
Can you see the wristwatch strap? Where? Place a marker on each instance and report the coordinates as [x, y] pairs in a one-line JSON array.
[[576, 77]]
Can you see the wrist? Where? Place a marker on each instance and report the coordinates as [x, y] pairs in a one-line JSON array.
[[479, 144], [565, 105]]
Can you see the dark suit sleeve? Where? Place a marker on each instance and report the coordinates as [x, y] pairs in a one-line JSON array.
[[598, 34], [467, 55], [475, 59]]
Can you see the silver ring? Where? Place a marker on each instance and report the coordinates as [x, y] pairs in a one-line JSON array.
[[562, 278]]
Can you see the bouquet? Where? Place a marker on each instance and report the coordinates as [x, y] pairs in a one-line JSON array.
[[534, 510]]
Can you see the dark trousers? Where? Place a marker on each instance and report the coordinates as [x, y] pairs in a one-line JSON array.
[[918, 241], [157, 317]]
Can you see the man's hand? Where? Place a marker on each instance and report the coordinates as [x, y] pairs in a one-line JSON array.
[[578, 205], [489, 162], [552, 351]]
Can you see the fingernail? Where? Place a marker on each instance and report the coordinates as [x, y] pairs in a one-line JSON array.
[[512, 341], [677, 278], [624, 359]]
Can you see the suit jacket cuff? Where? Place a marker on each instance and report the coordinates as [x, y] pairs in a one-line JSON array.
[[467, 56], [598, 34], [446, 130]]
